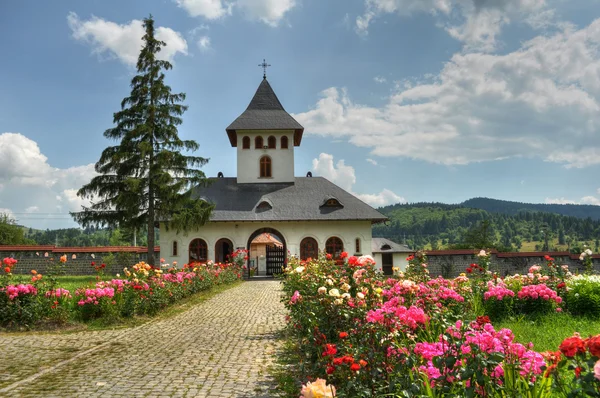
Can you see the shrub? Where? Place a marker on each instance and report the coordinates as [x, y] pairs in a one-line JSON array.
[[583, 295]]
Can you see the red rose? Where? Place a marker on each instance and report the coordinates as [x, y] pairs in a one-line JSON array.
[[363, 363], [330, 350], [338, 361], [328, 256], [355, 367], [348, 359], [482, 320], [93, 263], [7, 270], [469, 270], [561, 285], [593, 345], [330, 370], [343, 335], [572, 345], [344, 255]]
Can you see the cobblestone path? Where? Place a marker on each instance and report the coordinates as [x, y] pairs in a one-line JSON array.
[[218, 348]]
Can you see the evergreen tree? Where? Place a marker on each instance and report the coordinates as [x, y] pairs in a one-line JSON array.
[[145, 178]]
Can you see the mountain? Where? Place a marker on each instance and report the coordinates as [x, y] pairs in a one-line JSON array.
[[512, 208], [439, 225]]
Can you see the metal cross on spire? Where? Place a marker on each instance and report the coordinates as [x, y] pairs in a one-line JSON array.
[[264, 65]]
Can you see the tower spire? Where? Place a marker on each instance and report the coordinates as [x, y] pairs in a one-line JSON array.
[[264, 65]]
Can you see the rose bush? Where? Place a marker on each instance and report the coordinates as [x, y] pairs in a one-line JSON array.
[[365, 334], [143, 290]]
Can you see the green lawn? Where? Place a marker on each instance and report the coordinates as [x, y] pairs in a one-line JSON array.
[[72, 282], [546, 333]]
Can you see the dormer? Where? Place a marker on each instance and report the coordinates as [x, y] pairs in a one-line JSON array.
[[266, 135], [332, 202], [263, 205]]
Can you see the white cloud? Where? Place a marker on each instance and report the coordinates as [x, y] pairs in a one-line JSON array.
[[538, 101], [271, 12], [7, 212], [123, 41], [373, 162], [380, 79], [204, 43], [36, 186], [560, 201], [586, 200], [340, 174], [477, 23], [344, 176], [209, 9]]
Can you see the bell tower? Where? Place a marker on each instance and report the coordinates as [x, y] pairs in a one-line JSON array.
[[265, 136]]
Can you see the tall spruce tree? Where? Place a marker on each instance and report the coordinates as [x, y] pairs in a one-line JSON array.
[[145, 178]]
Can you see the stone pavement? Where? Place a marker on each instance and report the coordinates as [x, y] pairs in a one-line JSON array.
[[219, 348]]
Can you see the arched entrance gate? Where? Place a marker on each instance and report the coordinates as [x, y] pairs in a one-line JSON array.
[[276, 257]]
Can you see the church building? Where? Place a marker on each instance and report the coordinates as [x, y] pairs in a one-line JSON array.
[[306, 214]]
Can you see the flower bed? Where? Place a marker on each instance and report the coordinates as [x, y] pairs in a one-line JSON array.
[[143, 290], [357, 333]]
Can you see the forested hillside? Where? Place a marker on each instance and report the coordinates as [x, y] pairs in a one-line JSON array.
[[514, 208], [438, 225]]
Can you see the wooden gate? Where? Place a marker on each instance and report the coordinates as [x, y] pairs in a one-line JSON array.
[[275, 260]]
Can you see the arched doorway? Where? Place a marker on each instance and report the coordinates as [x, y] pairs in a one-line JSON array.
[[335, 247], [198, 251], [309, 248], [223, 249], [275, 255]]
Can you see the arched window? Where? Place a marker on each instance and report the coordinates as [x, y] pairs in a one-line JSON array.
[[175, 249], [309, 249], [265, 167], [223, 250], [284, 142], [258, 142], [334, 246], [246, 142], [272, 142], [198, 251], [357, 246]]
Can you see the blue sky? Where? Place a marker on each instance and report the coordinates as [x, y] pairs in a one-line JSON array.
[[401, 100]]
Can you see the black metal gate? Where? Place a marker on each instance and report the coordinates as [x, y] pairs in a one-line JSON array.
[[275, 260]]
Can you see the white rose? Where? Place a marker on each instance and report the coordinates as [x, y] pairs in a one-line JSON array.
[[588, 252], [299, 270], [345, 287], [346, 296], [338, 301], [329, 282], [360, 295], [322, 290], [334, 293], [482, 253]]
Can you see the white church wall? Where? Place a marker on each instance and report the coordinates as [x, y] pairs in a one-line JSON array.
[[248, 167], [293, 233]]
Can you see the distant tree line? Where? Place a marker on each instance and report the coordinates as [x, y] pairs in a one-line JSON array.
[[438, 225]]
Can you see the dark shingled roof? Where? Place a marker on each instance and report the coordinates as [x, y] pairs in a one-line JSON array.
[[265, 112], [380, 245], [299, 201]]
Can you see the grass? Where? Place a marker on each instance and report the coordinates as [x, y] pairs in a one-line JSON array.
[[547, 332], [72, 282]]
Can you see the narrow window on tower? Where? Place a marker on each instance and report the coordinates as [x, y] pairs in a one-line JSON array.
[[246, 142], [258, 142], [265, 167], [284, 142], [272, 142]]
